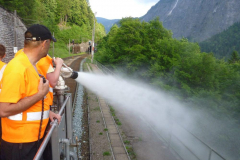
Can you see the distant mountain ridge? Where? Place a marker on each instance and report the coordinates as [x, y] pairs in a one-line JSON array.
[[107, 23], [196, 20]]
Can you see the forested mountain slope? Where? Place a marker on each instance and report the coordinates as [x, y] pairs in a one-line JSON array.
[[196, 20], [67, 19], [223, 44]]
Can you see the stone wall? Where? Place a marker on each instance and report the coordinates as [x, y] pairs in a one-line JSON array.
[[7, 37]]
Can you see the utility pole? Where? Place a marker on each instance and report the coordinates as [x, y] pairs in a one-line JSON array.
[[53, 47], [93, 36], [69, 47], [15, 32]]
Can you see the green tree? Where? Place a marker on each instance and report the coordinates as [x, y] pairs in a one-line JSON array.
[[234, 57]]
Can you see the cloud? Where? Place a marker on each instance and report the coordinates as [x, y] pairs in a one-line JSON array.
[[147, 1], [117, 9]]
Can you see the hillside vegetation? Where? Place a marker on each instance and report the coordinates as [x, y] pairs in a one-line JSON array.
[[67, 19], [147, 52], [223, 44]]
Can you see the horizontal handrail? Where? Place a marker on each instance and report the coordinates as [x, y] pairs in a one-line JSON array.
[[103, 68], [49, 134]]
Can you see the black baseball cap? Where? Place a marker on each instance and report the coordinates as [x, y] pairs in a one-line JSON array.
[[39, 32]]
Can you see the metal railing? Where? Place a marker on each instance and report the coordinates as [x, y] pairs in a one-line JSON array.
[[190, 147], [186, 145], [57, 137], [103, 68]]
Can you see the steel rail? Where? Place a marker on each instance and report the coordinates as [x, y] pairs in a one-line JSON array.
[[49, 134]]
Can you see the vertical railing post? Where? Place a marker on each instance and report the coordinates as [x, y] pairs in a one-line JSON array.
[[55, 144], [69, 118]]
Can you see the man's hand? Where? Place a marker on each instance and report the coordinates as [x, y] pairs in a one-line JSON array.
[[58, 62], [53, 116], [43, 88]]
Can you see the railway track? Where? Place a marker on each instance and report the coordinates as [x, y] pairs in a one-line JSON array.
[[114, 139], [104, 140]]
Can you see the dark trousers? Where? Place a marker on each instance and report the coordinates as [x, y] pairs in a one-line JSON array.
[[18, 151]]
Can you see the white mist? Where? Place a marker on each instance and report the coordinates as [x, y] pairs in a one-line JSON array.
[[165, 114]]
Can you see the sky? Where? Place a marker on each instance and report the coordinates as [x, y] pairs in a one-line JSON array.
[[117, 9]]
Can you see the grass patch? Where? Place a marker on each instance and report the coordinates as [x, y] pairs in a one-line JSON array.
[[88, 60], [105, 129], [106, 153], [98, 121], [117, 121], [131, 152], [112, 111], [97, 109], [127, 142], [100, 133], [114, 116]]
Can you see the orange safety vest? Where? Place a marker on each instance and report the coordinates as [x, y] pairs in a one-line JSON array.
[[2, 68], [21, 80], [45, 66]]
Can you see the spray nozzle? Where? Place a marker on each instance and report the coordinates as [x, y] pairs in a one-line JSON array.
[[67, 72]]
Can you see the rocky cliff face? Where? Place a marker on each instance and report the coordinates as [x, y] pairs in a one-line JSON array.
[[195, 19]]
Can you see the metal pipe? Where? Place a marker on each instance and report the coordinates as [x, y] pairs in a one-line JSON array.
[[64, 104], [67, 144], [73, 155]]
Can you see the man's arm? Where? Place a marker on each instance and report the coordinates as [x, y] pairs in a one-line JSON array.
[[53, 76], [8, 109]]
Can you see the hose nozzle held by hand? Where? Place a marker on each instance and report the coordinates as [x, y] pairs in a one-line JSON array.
[[66, 71]]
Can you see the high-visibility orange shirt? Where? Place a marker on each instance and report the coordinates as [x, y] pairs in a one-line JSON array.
[[21, 80], [1, 69], [1, 64], [45, 66]]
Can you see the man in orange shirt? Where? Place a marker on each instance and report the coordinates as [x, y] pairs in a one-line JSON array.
[[25, 113], [2, 64], [2, 67], [45, 66]]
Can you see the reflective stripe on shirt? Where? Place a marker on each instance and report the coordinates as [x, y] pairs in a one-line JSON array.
[[31, 116]]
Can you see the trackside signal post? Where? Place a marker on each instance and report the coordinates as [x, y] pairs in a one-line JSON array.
[[93, 35]]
